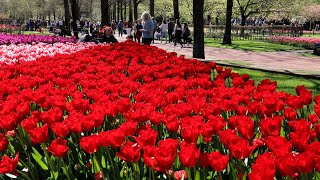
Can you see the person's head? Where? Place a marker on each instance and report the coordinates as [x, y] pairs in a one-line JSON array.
[[145, 16], [108, 31], [164, 22], [185, 24]]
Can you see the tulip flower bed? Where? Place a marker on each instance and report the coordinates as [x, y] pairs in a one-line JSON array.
[[307, 43], [27, 52], [128, 111], [7, 39], [9, 28]]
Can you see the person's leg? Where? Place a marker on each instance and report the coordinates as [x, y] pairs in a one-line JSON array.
[[170, 36], [166, 36]]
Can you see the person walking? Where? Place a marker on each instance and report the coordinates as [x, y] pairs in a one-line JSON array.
[[164, 30], [129, 28], [120, 28], [185, 34], [138, 33], [177, 33], [155, 27], [170, 29], [113, 26], [148, 28]]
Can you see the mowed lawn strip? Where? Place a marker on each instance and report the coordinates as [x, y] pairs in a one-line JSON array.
[[286, 83], [250, 45]]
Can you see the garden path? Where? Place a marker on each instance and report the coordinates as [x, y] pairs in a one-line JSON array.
[[282, 61]]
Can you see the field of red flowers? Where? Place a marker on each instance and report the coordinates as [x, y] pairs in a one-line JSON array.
[[128, 111], [307, 43]]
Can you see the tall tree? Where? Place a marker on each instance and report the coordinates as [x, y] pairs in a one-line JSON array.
[[250, 7], [66, 15], [198, 33], [152, 8], [125, 10], [105, 16], [75, 17], [130, 11], [176, 9], [118, 10], [227, 31], [135, 8], [121, 10]]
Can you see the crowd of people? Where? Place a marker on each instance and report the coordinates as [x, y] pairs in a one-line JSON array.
[[146, 29]]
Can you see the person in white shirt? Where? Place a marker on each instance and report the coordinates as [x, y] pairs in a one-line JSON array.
[[164, 30]]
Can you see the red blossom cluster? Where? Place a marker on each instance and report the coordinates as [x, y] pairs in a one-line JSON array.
[[149, 106]]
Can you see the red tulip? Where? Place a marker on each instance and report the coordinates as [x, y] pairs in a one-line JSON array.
[[166, 153], [287, 166], [189, 154], [90, 144], [240, 148], [3, 142], [130, 152], [58, 147], [8, 165], [129, 128], [264, 168], [39, 134], [271, 126], [305, 162], [290, 113], [146, 137], [313, 118], [60, 129], [217, 161]]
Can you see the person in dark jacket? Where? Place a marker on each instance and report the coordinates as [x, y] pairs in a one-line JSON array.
[[108, 36], [170, 30]]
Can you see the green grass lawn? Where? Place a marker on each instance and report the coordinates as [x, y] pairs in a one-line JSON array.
[[310, 35], [250, 45], [285, 83], [37, 33]]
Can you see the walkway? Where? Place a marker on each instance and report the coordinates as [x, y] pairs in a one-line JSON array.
[[286, 62]]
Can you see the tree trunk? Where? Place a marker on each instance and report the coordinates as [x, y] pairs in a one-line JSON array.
[[66, 15], [118, 10], [227, 31], [105, 19], [135, 9], [198, 33], [243, 23], [176, 9], [75, 17], [152, 8], [125, 10], [243, 20], [130, 11], [121, 10], [114, 11], [91, 9]]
